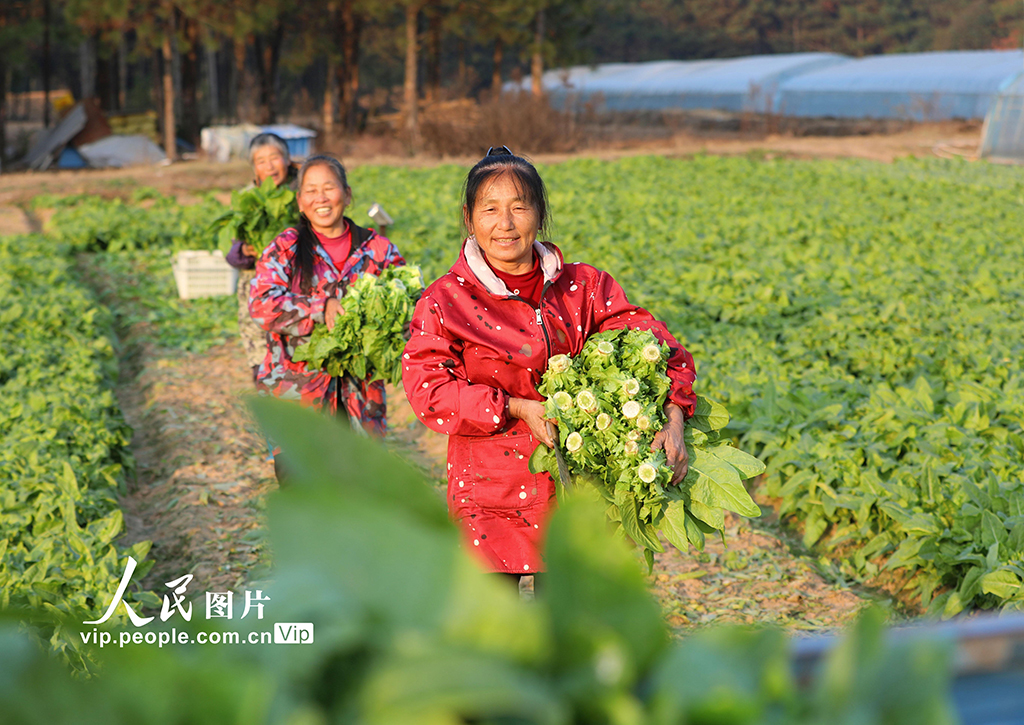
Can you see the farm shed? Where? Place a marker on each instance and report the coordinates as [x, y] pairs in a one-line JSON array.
[[1003, 135], [734, 84], [913, 86]]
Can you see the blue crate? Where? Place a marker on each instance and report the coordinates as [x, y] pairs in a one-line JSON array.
[[298, 139]]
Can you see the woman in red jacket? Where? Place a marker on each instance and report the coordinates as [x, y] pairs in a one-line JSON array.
[[481, 338]]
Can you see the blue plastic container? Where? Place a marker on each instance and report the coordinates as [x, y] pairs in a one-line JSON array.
[[298, 139]]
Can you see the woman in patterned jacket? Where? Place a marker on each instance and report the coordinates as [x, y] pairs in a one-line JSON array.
[[481, 338], [299, 279]]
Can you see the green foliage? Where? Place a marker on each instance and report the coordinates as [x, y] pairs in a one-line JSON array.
[[257, 215], [408, 630], [369, 337], [608, 402], [147, 220], [862, 322], [63, 444], [139, 288]]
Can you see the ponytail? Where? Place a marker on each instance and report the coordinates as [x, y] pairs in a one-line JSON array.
[[305, 253]]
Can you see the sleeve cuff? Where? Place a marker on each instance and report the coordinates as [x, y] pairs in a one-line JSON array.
[[316, 310]]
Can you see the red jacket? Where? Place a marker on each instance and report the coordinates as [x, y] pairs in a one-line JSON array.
[[473, 346], [278, 306]]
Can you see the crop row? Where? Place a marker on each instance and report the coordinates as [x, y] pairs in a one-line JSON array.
[[862, 321], [64, 442]]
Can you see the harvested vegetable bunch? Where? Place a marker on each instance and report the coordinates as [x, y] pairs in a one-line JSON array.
[[257, 215], [369, 338], [608, 402]]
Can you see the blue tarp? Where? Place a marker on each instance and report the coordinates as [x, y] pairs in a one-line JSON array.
[[70, 159], [915, 86]]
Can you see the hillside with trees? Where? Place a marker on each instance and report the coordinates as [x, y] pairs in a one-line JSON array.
[[340, 63]]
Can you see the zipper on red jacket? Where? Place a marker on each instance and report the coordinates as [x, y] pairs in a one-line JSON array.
[[540, 320]]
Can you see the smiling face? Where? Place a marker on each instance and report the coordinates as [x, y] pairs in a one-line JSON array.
[[323, 198], [268, 162], [505, 225]]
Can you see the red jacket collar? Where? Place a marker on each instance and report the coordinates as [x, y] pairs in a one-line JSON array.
[[471, 264]]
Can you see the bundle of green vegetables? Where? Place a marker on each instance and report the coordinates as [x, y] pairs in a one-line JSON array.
[[369, 337], [257, 215], [608, 402]]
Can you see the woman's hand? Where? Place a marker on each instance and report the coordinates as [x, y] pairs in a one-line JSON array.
[[671, 439], [332, 309], [248, 250], [532, 411]]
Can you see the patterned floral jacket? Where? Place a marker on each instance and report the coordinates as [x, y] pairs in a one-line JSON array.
[[279, 307]]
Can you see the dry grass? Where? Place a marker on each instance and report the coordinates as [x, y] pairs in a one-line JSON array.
[[520, 121]]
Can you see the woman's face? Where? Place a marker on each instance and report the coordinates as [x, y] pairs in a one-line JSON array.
[[323, 199], [268, 162], [505, 225]]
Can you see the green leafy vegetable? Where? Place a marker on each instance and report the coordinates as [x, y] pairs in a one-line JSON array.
[[64, 446], [368, 339], [409, 630], [608, 401], [257, 215]]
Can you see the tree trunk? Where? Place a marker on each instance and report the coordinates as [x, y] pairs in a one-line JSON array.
[[268, 55], [105, 81], [330, 97], [87, 60], [46, 64], [122, 74], [238, 85], [190, 80], [349, 77], [537, 64], [168, 94], [3, 97], [499, 48], [462, 75], [433, 91], [212, 70], [156, 92], [412, 11]]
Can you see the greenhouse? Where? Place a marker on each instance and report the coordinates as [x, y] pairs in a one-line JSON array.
[[1003, 135], [914, 86], [747, 84]]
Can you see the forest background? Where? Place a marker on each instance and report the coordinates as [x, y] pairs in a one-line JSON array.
[[352, 66]]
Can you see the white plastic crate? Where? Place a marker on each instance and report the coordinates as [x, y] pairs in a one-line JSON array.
[[203, 274]]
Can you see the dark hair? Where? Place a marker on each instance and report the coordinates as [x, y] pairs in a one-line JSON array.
[[500, 160], [305, 245]]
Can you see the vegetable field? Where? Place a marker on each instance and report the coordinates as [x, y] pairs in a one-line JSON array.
[[861, 322]]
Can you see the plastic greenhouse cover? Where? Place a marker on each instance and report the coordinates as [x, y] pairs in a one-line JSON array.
[[918, 86], [731, 84]]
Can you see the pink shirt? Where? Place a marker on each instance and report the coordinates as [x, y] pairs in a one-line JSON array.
[[338, 248]]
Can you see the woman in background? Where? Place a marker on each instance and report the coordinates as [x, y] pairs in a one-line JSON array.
[[269, 158]]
